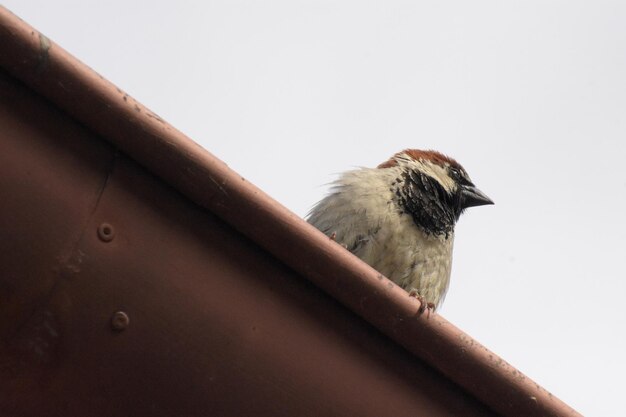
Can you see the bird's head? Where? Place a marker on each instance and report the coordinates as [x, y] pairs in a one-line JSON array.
[[433, 188]]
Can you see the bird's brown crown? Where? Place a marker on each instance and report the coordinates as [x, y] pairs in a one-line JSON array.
[[417, 154]]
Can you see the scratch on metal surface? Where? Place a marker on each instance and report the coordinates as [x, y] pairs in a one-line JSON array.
[[43, 57], [218, 186], [107, 176], [155, 117]]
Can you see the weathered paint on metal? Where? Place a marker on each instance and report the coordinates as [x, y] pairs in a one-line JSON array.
[[222, 320], [178, 314]]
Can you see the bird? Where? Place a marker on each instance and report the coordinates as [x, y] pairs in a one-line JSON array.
[[399, 218]]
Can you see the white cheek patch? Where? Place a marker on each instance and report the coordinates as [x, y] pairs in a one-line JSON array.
[[435, 171]]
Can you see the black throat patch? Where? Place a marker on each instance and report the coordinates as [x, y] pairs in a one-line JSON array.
[[432, 208]]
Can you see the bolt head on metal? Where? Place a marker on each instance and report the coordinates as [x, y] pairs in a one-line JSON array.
[[120, 321], [106, 232]]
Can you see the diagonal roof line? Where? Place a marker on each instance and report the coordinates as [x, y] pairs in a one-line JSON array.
[[167, 153]]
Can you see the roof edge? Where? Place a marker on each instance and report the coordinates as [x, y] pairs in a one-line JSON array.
[[71, 85]]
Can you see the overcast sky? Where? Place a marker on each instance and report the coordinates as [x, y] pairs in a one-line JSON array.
[[529, 96]]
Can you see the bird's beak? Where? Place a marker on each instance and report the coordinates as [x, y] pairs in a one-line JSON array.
[[472, 196]]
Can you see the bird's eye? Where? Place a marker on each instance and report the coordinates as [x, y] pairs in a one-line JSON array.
[[459, 176]]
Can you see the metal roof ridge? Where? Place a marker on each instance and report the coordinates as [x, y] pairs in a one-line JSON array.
[[71, 85]]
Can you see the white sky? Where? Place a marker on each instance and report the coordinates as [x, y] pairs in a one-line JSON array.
[[529, 96]]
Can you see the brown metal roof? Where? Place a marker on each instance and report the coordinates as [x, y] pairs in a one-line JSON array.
[[121, 210]]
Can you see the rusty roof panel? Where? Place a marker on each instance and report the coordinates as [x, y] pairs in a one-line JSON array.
[[142, 303], [30, 158], [205, 303]]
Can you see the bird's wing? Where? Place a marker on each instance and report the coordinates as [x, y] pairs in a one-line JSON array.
[[347, 223]]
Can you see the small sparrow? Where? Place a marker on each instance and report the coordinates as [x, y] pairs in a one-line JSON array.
[[399, 218]]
